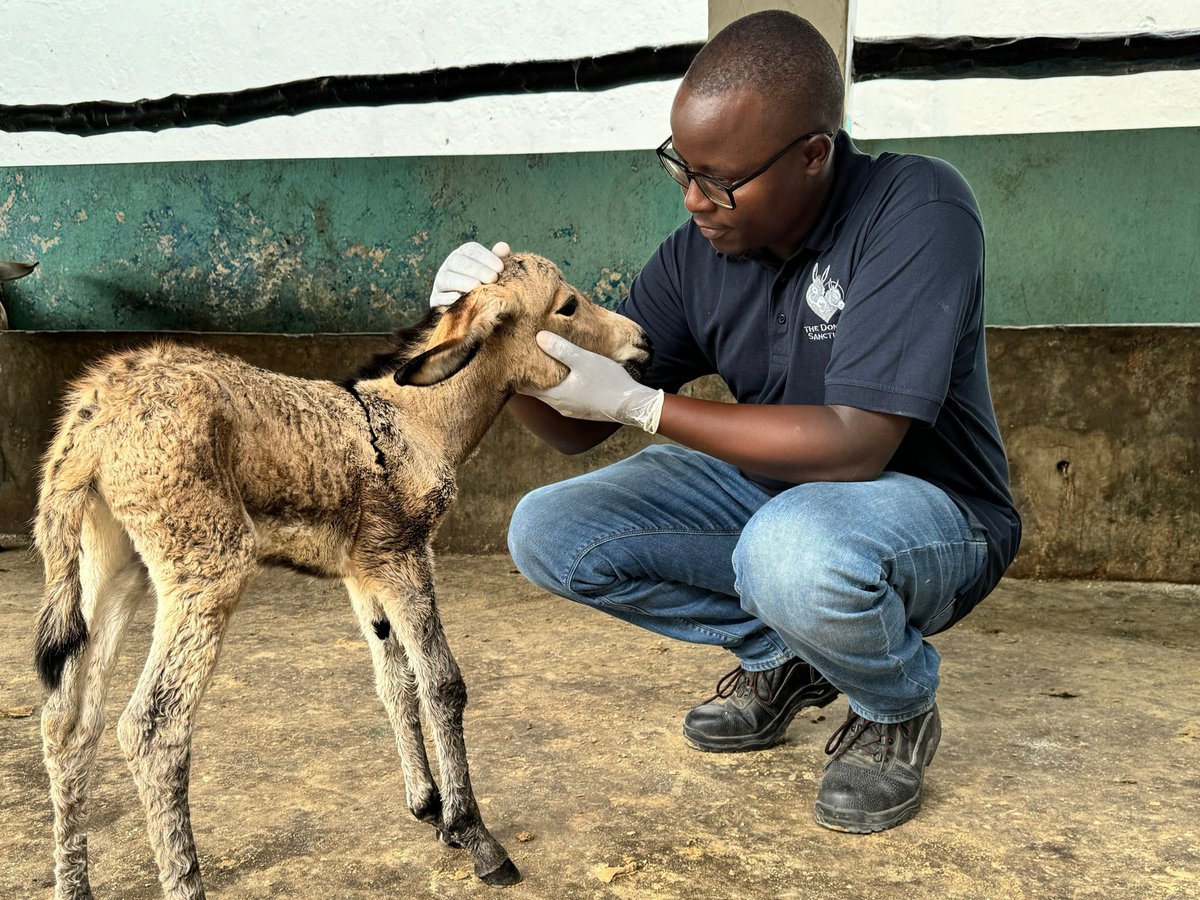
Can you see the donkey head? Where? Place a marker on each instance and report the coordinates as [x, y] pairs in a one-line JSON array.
[[499, 322]]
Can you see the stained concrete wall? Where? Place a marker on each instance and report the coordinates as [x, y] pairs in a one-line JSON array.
[[1102, 430], [1083, 228], [35, 368], [297, 246], [1102, 426]]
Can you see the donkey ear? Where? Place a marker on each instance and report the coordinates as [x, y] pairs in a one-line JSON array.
[[11, 271], [436, 364], [458, 335]]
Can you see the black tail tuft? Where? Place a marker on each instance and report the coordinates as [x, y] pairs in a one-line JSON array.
[[57, 640]]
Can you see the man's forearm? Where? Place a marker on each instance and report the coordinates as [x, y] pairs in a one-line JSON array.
[[789, 442], [563, 434]]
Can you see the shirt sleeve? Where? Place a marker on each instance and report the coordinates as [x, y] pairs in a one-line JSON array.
[[656, 302], [918, 286]]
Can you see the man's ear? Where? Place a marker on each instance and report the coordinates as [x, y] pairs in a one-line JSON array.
[[459, 334]]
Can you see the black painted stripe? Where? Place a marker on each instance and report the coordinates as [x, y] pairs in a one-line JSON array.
[[1029, 57], [910, 58], [595, 73]]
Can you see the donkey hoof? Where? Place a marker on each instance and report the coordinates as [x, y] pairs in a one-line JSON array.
[[506, 874], [448, 839]]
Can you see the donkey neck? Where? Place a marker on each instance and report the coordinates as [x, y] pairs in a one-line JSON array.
[[456, 413]]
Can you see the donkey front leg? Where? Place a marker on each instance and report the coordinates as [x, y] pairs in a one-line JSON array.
[[406, 594], [155, 731], [397, 688]]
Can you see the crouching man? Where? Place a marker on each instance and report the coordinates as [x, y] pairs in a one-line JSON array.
[[855, 499]]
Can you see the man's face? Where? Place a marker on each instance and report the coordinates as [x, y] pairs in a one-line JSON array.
[[730, 135]]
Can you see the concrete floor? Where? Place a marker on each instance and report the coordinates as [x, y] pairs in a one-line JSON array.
[[1069, 767]]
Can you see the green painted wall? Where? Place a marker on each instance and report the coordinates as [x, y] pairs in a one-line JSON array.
[[1099, 227], [299, 246], [1089, 227]]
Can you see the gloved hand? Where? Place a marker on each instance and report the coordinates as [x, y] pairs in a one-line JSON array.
[[466, 268], [597, 388]]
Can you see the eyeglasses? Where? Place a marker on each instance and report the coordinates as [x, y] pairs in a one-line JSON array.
[[721, 192]]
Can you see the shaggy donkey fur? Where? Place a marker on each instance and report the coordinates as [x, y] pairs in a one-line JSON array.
[[181, 469]]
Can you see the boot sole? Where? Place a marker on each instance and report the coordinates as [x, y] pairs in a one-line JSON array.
[[858, 822], [772, 735]]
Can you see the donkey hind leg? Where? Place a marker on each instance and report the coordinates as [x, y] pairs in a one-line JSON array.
[[155, 730], [397, 689], [113, 586], [408, 601]]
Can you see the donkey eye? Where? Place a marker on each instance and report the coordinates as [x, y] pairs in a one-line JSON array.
[[568, 308]]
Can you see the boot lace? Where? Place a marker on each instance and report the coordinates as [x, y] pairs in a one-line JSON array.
[[741, 683], [874, 738]]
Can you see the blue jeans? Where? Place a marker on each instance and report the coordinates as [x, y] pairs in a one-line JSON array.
[[849, 576]]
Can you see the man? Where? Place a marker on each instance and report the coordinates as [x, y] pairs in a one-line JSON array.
[[854, 500]]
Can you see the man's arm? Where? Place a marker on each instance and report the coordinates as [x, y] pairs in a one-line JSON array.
[[564, 434], [792, 443], [796, 443], [789, 442]]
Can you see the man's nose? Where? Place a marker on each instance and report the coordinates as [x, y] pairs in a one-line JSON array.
[[695, 200]]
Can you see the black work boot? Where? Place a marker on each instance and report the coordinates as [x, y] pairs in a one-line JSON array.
[[757, 707], [874, 780]]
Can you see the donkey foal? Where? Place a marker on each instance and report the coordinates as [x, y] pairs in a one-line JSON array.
[[181, 469]]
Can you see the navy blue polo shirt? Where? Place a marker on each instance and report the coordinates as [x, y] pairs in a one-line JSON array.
[[880, 309]]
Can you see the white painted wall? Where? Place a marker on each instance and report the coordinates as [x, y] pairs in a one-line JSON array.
[[54, 51], [58, 51], [896, 108], [886, 109], [904, 18]]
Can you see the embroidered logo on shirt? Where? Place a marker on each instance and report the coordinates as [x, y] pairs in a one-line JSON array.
[[824, 296]]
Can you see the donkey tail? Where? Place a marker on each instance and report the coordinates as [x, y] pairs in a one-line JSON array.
[[68, 480]]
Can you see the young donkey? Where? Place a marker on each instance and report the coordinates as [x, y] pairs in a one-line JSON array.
[[185, 468]]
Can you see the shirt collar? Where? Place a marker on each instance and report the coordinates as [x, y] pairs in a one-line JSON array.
[[851, 170]]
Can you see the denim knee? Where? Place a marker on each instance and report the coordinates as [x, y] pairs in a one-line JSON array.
[[527, 537], [801, 574]]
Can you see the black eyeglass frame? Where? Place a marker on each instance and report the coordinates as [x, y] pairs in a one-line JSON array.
[[667, 160]]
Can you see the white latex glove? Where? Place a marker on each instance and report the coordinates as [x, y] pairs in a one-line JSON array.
[[466, 268], [597, 388]]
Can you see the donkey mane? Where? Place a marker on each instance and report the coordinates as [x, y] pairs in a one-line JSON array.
[[403, 344]]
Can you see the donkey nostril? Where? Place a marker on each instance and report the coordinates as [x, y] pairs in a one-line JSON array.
[[646, 350], [637, 361]]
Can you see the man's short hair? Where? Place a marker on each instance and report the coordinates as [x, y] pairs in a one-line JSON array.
[[780, 55]]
